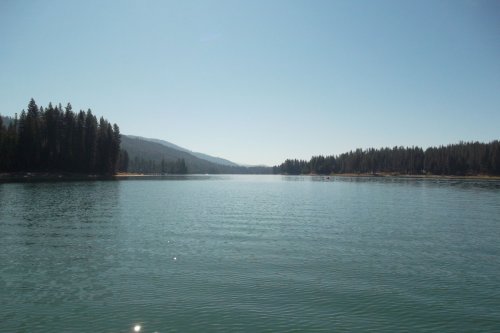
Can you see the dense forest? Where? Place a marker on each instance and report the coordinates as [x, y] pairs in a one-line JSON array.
[[464, 158], [180, 166], [54, 139], [140, 165]]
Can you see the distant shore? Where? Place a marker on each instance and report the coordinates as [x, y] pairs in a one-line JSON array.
[[396, 175], [12, 177], [129, 174], [369, 175]]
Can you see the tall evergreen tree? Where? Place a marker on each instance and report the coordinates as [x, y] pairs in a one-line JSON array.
[[79, 145], [115, 148], [53, 139], [90, 142], [123, 163]]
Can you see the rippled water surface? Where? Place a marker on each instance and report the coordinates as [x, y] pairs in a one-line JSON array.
[[241, 253]]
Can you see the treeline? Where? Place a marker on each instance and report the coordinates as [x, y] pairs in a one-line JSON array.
[[180, 166], [54, 139], [464, 158], [141, 165]]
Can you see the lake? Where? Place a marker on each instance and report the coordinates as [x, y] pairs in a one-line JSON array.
[[250, 254]]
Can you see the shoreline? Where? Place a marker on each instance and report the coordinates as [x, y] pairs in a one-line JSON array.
[[33, 177], [19, 177], [128, 174], [13, 177], [392, 175]]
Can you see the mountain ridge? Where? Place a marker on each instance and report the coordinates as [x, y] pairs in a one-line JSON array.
[[209, 158], [149, 156]]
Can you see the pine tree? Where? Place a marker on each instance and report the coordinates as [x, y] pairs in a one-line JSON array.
[[123, 164], [90, 142], [115, 148]]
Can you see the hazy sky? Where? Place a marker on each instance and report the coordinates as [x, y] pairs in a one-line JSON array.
[[260, 81]]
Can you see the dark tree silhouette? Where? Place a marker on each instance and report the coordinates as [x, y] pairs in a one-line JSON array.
[[464, 158], [53, 140]]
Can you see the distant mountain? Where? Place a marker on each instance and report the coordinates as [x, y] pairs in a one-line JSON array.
[[213, 159], [147, 155]]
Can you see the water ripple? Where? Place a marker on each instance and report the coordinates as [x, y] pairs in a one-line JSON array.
[[250, 254]]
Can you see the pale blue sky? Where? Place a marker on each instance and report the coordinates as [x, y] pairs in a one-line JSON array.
[[260, 81]]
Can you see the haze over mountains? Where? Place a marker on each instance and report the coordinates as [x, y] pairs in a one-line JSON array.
[[216, 160], [147, 155]]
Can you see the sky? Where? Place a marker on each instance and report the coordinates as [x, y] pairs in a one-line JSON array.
[[257, 82]]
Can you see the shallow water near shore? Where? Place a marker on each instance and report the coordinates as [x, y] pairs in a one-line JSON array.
[[250, 253]]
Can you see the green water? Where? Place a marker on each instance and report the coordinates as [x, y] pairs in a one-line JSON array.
[[250, 254]]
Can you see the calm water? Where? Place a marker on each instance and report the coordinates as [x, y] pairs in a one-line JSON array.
[[241, 253]]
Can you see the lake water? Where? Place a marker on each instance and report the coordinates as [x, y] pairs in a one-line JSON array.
[[250, 254]]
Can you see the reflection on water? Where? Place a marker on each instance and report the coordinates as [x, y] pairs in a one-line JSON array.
[[246, 253]]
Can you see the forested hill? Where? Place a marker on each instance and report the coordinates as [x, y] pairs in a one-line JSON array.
[[213, 159], [464, 158], [56, 139], [154, 156]]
